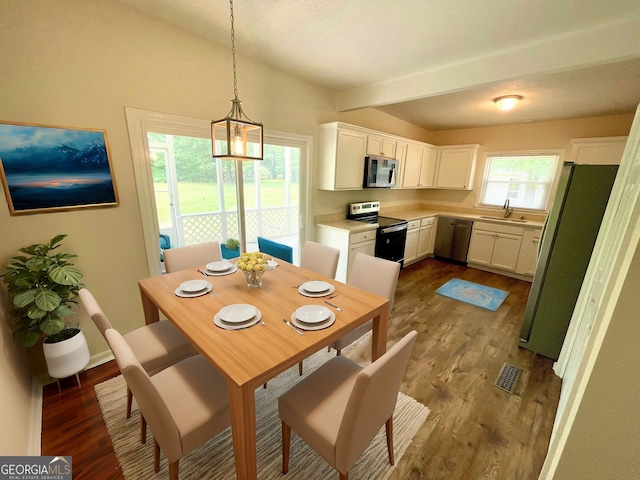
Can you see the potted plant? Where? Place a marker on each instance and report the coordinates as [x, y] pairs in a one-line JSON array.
[[42, 286], [231, 248]]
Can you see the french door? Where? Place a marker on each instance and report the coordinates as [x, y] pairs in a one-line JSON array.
[[192, 198]]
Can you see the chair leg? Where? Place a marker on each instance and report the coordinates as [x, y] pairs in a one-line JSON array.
[[389, 429], [156, 456], [338, 353], [143, 429], [174, 467], [286, 443], [129, 401], [344, 476], [300, 368]]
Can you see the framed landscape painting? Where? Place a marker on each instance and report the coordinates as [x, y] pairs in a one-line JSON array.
[[46, 168]]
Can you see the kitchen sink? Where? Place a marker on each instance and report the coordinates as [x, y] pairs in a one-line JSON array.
[[504, 219]]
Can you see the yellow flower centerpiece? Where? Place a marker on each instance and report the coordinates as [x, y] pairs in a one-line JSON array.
[[253, 265]]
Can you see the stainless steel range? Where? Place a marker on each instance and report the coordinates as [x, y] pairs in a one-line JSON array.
[[391, 234]]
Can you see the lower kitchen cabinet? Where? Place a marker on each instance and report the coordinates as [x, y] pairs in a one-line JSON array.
[[420, 239], [411, 244], [349, 244], [528, 258], [496, 246], [427, 238]]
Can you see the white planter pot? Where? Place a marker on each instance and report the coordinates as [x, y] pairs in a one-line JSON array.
[[67, 357]]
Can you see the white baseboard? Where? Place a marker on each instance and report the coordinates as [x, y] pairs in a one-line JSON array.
[[35, 422]]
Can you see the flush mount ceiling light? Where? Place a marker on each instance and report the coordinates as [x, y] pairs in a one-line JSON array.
[[507, 102], [236, 136]]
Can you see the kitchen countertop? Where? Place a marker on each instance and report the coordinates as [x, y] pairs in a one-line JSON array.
[[354, 226]]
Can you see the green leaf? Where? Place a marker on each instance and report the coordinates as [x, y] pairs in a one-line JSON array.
[[65, 274], [46, 299], [52, 325], [23, 299], [53, 243], [35, 312], [28, 339]]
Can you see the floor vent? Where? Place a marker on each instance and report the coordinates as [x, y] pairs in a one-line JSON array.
[[508, 378]]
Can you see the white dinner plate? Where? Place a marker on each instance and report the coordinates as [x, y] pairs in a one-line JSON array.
[[316, 286], [238, 313], [302, 291], [237, 326], [193, 286], [211, 273], [217, 267], [181, 294], [312, 314], [313, 326]]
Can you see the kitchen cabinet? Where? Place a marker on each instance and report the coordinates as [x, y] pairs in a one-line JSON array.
[[420, 239], [455, 166], [528, 258], [381, 146], [427, 238], [342, 158], [598, 151], [349, 243], [495, 246], [419, 166], [411, 244], [401, 151]]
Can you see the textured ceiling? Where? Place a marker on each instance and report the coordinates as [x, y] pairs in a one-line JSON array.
[[438, 63]]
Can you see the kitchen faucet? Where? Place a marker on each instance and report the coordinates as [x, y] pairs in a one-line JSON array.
[[507, 210]]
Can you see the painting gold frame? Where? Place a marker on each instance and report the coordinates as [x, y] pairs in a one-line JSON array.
[[46, 168]]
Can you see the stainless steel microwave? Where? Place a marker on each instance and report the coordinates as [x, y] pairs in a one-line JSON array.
[[380, 172]]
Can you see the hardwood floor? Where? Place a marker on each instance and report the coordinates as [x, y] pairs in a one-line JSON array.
[[475, 430]]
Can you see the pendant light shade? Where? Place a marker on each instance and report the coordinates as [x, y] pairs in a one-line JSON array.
[[236, 136]]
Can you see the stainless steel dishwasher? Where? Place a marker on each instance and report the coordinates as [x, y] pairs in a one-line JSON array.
[[452, 239]]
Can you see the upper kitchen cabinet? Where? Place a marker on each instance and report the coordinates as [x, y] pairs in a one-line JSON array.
[[455, 166], [598, 151], [381, 146], [419, 166], [341, 158]]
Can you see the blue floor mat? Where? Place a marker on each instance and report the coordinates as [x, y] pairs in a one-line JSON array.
[[473, 293]]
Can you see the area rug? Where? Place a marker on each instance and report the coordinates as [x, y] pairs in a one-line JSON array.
[[473, 293], [214, 460]]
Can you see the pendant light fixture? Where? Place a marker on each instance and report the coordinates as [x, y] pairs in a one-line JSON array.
[[236, 136], [507, 102]]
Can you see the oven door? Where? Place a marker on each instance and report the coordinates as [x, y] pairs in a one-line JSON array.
[[390, 243]]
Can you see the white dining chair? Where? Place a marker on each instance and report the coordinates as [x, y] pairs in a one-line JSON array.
[[340, 407], [157, 345], [185, 404], [319, 258], [198, 255], [376, 275]]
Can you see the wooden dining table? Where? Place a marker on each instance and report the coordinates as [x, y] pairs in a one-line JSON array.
[[249, 357]]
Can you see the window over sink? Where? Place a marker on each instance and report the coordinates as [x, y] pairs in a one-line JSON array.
[[525, 179]]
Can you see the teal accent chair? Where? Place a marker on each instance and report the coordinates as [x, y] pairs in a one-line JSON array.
[[275, 249]]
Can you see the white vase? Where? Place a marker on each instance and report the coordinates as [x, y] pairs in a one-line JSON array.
[[67, 357]]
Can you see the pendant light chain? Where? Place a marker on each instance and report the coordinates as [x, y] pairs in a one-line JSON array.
[[233, 52]]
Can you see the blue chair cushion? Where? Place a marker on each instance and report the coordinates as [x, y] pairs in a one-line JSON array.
[[275, 249]]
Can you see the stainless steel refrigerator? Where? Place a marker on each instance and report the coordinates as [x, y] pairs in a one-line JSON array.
[[566, 244]]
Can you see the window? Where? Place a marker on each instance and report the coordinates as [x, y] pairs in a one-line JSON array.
[[525, 180]]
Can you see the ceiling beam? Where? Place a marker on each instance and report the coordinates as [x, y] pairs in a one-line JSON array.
[[586, 48]]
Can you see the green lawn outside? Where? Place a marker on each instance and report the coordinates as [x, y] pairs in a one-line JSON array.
[[203, 197]]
